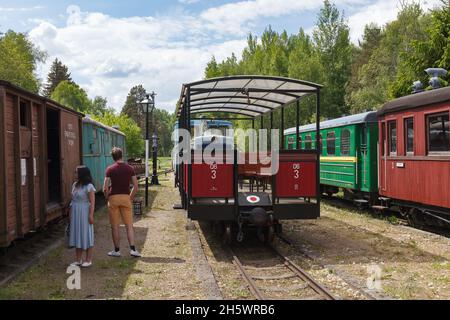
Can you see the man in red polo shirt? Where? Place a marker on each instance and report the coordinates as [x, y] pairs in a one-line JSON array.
[[116, 188]]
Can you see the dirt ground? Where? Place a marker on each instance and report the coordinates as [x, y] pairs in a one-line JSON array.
[[344, 245], [410, 263], [165, 271]]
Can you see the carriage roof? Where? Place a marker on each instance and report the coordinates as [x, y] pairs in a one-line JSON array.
[[370, 116]]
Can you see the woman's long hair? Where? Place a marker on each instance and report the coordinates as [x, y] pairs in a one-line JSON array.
[[84, 176]]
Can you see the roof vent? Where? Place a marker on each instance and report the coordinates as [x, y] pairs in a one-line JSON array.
[[417, 86], [435, 73]]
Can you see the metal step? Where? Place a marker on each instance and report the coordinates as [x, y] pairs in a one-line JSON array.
[[384, 199], [361, 201]]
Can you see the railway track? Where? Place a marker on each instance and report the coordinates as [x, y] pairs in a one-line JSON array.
[[26, 252], [272, 275], [342, 203], [370, 295]]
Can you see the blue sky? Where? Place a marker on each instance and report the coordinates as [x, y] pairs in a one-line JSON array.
[[109, 46]]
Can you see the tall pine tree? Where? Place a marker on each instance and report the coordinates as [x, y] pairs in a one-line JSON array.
[[131, 107], [58, 73]]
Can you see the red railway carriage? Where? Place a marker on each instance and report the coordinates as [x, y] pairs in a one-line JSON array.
[[414, 155], [40, 147], [213, 189]]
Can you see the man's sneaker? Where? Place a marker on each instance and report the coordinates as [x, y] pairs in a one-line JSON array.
[[135, 253], [114, 254]]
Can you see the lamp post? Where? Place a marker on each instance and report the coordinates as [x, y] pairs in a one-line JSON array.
[[148, 105], [155, 181]]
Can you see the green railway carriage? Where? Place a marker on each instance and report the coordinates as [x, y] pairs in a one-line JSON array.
[[349, 154], [98, 140]]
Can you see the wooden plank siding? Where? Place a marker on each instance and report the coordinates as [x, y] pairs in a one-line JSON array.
[[16, 166], [420, 177], [3, 178], [24, 201]]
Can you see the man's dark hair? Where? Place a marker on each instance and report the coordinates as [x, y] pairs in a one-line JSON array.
[[84, 176], [117, 154]]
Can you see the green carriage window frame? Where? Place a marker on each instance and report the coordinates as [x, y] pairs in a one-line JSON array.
[[409, 135], [331, 143], [438, 133], [308, 142], [392, 133], [345, 142], [299, 142]]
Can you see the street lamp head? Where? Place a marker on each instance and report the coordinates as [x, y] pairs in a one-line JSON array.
[[147, 104]]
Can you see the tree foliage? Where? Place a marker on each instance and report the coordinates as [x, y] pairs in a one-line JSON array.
[[73, 96], [134, 142], [58, 73], [18, 60], [324, 59]]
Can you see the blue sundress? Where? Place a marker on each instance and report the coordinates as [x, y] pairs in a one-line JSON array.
[[81, 231]]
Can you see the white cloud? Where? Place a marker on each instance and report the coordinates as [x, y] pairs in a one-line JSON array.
[[107, 56], [237, 17], [188, 1], [379, 12], [20, 9]]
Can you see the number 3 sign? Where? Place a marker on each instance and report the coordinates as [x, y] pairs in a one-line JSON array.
[[296, 168]]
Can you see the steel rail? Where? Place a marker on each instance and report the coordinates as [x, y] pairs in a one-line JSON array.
[[316, 286], [289, 264], [251, 283]]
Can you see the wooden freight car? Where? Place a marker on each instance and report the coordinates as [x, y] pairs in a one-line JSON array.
[[414, 156], [40, 148]]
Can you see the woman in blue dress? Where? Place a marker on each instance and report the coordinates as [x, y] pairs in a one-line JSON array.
[[82, 217]]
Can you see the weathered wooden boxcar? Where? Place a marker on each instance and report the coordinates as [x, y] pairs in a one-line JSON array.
[[98, 140], [40, 148], [414, 160], [348, 154]]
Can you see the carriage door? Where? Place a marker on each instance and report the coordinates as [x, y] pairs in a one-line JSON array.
[[70, 152], [364, 153]]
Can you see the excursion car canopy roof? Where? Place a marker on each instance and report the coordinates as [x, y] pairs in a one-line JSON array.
[[417, 100], [249, 96], [370, 116]]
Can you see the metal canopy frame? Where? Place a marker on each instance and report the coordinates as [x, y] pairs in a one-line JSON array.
[[245, 98], [250, 96]]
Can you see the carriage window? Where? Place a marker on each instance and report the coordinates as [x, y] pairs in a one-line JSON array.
[[290, 143], [409, 135], [331, 143], [383, 138], [24, 114], [299, 143], [345, 142], [392, 126], [438, 133], [308, 142]]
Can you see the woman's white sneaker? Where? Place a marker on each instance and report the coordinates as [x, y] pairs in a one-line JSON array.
[[135, 253], [86, 264], [76, 264], [114, 254]]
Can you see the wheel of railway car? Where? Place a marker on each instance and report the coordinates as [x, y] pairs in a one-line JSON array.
[[413, 218], [269, 234]]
